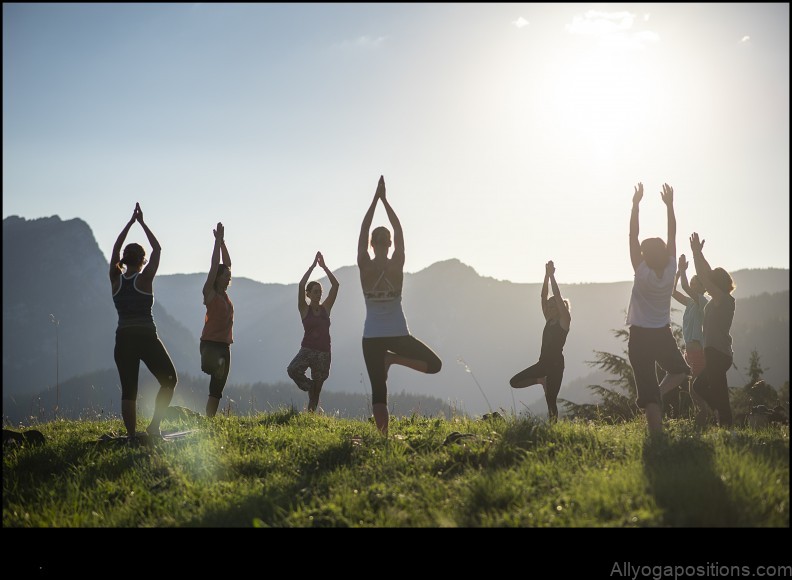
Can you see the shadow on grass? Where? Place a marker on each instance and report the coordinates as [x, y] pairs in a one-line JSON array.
[[684, 481], [273, 507], [280, 417]]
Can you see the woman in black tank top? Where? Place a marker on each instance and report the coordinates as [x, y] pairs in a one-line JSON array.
[[136, 336], [549, 371]]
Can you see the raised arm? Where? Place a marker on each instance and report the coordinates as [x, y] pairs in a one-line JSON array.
[[209, 286], [703, 269], [302, 305], [545, 285], [564, 317], [635, 245], [667, 195], [224, 253], [115, 257], [398, 234], [146, 277], [331, 295], [365, 228], [682, 275]]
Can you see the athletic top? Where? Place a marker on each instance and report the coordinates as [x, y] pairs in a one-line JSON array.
[[384, 314], [650, 302], [219, 320], [717, 323], [133, 305], [693, 320], [317, 330], [553, 340]]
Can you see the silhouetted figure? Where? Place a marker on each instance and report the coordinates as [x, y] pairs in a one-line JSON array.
[[386, 338], [314, 350], [218, 330], [711, 385], [136, 335], [649, 314], [549, 371]]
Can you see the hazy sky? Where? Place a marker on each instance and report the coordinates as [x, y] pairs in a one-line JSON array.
[[508, 134]]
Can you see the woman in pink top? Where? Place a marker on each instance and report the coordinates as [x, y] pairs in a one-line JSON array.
[[314, 350], [217, 334]]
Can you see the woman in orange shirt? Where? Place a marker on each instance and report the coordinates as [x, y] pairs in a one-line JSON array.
[[217, 334]]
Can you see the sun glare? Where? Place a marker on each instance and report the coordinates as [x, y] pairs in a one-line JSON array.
[[595, 100]]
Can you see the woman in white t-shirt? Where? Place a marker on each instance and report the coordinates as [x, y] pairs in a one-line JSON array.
[[649, 314]]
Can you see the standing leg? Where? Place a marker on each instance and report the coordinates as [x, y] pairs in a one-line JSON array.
[[320, 371], [718, 364], [161, 366], [129, 415], [128, 363], [218, 378], [552, 387], [640, 351], [374, 350]]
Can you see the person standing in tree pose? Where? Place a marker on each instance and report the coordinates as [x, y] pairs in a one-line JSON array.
[[217, 335], [649, 314], [314, 350], [694, 302], [549, 371], [386, 338], [711, 385], [136, 335]]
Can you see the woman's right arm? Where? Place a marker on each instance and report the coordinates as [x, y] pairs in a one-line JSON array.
[[209, 286], [703, 269], [543, 295], [564, 316], [115, 257], [398, 234], [334, 284], [667, 195], [146, 278]]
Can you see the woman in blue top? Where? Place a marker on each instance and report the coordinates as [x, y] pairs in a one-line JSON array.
[[692, 321]]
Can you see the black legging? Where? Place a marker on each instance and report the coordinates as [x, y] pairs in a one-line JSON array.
[[374, 350], [554, 373], [712, 385], [141, 344], [211, 353]]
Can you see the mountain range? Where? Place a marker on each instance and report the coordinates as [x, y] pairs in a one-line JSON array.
[[485, 330]]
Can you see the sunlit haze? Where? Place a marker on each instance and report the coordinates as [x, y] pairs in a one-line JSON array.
[[508, 134]]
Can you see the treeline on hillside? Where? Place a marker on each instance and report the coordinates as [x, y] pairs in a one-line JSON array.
[[98, 395]]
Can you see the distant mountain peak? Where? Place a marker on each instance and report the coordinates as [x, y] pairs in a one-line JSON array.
[[452, 266]]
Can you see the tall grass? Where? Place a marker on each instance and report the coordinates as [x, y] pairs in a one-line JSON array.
[[290, 469]]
